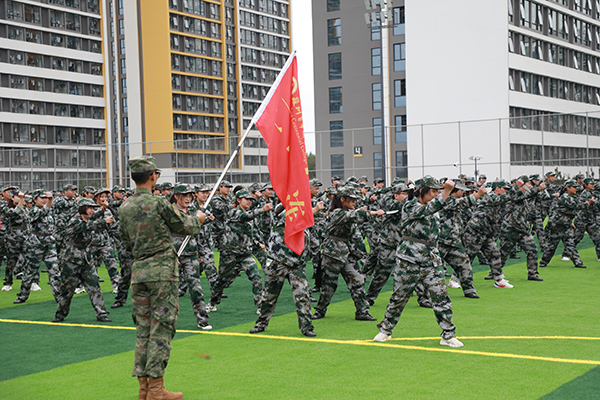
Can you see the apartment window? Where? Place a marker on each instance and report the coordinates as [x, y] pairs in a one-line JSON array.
[[124, 85], [399, 56], [377, 165], [335, 66], [375, 28], [336, 134], [377, 133], [401, 164], [376, 96], [124, 67], [400, 125], [376, 61], [333, 5], [398, 21], [335, 100], [337, 165], [334, 32], [400, 93], [122, 46]]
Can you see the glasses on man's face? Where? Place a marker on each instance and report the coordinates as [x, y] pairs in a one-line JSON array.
[[157, 174]]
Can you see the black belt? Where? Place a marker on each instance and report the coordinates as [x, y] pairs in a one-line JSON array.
[[412, 239]]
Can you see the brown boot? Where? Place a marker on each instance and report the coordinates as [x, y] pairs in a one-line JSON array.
[[143, 380], [157, 391]]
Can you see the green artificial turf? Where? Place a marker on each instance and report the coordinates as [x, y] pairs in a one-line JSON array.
[[59, 362]]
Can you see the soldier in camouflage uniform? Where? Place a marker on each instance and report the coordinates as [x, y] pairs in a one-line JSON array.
[[451, 232], [4, 201], [483, 228], [76, 260], [315, 234], [89, 192], [220, 208], [189, 266], [286, 265], [125, 257], [14, 218], [206, 254], [419, 261], [40, 247], [390, 233], [336, 252], [147, 223], [516, 227], [237, 252], [586, 219], [103, 247], [63, 209], [560, 226]]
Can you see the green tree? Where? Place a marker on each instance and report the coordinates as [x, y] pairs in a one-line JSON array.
[[312, 165]]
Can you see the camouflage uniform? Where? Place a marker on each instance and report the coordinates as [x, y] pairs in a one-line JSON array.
[[63, 209], [15, 221], [77, 264], [220, 208], [286, 265], [586, 218], [515, 228], [146, 223], [103, 248], [206, 254], [40, 247], [237, 253], [418, 261], [336, 252], [559, 228], [315, 234], [125, 257]]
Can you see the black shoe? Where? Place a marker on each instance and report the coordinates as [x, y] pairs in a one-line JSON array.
[[317, 315], [580, 266], [543, 265], [365, 317], [515, 257], [309, 334], [117, 304], [104, 318], [425, 305], [257, 329], [312, 299], [181, 293], [100, 280], [371, 302], [19, 301], [19, 276], [315, 290], [535, 278], [58, 319], [471, 295], [489, 277], [224, 296], [44, 270]]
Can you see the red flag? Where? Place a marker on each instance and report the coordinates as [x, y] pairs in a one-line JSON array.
[[279, 120]]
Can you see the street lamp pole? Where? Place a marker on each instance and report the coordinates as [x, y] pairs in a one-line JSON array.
[[476, 158]]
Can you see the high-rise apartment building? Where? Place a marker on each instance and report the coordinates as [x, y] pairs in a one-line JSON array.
[[511, 84], [52, 108], [195, 72]]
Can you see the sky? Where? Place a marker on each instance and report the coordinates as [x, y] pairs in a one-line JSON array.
[[302, 42]]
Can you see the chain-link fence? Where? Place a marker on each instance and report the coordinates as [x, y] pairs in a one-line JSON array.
[[526, 142]]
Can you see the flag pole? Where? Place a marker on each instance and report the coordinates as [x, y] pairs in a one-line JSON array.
[[239, 146]]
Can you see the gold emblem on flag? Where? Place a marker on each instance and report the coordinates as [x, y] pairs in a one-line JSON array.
[[296, 206]]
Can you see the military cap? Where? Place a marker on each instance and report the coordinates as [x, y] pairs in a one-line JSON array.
[[100, 191], [364, 178], [524, 178], [266, 186], [400, 187], [142, 164], [458, 184], [534, 176], [85, 201], [589, 180], [397, 181], [379, 180], [482, 176], [225, 183], [351, 179], [462, 176], [69, 186], [182, 188], [203, 187], [335, 178], [167, 185], [243, 194], [347, 191], [550, 173], [9, 187], [255, 187], [331, 191], [469, 180], [38, 193], [571, 182], [89, 189], [28, 199], [363, 185], [118, 188], [427, 181], [579, 176], [315, 182], [500, 184]]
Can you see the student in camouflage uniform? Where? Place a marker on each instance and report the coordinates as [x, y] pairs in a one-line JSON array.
[[220, 208], [76, 260], [237, 251], [336, 251], [451, 232], [586, 219], [14, 218], [259, 238], [4, 201], [560, 226], [315, 233], [390, 233], [125, 257], [286, 265], [189, 266], [103, 247], [63, 209], [536, 215], [516, 227], [206, 254], [147, 223], [419, 261], [40, 247]]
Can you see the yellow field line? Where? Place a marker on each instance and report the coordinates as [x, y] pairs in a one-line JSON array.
[[369, 343]]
